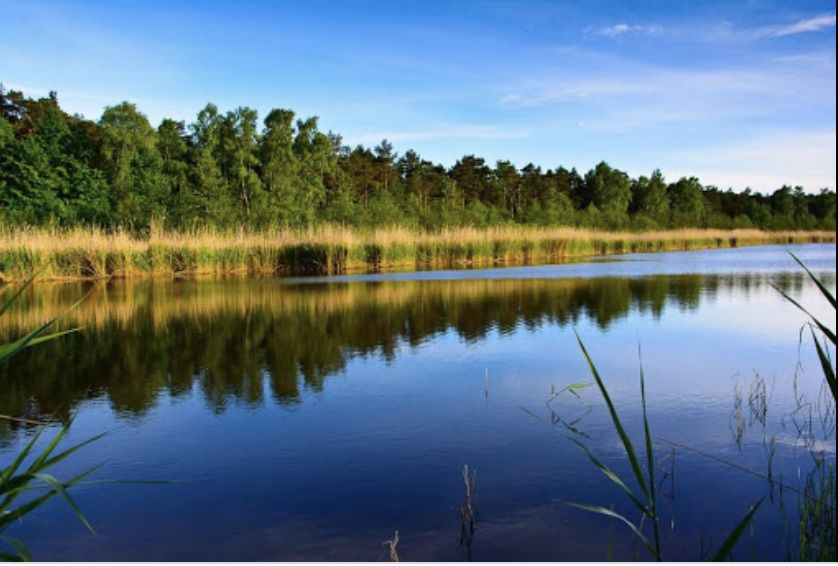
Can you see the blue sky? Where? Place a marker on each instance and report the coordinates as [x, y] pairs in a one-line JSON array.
[[739, 94]]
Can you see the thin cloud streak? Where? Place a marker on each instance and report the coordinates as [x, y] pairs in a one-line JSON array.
[[803, 26], [624, 29], [744, 90]]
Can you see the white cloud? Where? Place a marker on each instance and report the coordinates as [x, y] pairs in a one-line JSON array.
[[663, 95], [624, 28], [810, 24], [766, 163]]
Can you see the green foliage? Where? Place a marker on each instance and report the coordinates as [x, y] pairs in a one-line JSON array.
[[132, 166], [686, 202], [223, 171], [609, 190], [18, 481], [650, 198]]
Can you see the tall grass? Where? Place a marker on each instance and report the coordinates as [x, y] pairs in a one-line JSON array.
[[94, 254], [817, 325], [817, 504]]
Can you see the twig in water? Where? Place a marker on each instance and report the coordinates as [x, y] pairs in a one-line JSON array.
[[392, 545], [468, 511]]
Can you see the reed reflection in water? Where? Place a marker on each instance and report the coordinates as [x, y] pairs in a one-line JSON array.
[[231, 337]]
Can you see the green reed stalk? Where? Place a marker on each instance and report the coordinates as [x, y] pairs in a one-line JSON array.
[[647, 500], [817, 506]]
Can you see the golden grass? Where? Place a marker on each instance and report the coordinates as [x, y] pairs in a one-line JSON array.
[[94, 254]]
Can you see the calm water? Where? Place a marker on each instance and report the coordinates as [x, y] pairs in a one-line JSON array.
[[308, 419]]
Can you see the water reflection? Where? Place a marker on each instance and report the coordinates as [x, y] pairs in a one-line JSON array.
[[238, 340]]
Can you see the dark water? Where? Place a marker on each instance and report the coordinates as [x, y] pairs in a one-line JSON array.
[[309, 419]]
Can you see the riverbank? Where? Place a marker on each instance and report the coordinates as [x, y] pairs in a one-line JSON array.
[[93, 254]]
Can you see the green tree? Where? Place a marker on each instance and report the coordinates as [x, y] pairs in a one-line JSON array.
[[650, 197], [610, 191], [507, 183], [132, 166], [236, 154], [423, 181], [280, 168], [213, 202], [781, 202], [473, 178], [385, 159], [175, 155], [28, 187], [686, 202], [317, 160]]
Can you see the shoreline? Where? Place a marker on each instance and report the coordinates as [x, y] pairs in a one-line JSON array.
[[91, 255]]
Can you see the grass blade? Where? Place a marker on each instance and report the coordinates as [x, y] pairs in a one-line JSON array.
[[610, 474], [10, 301], [9, 471], [727, 546], [650, 455], [11, 516], [829, 333], [629, 448], [57, 458], [9, 350], [828, 372], [823, 289], [613, 514], [59, 489], [23, 554]]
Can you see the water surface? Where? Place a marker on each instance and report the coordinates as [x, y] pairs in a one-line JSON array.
[[308, 419]]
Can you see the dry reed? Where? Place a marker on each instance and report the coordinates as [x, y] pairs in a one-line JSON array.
[[95, 254]]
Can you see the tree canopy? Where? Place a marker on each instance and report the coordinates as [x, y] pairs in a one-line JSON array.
[[228, 170]]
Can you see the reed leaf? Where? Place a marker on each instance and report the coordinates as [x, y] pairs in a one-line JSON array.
[[62, 492], [613, 514], [23, 554], [7, 473], [823, 328], [611, 475], [828, 372], [650, 456], [823, 289], [8, 517], [615, 419], [11, 300], [727, 546]]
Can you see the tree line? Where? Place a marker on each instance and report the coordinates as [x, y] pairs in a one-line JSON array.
[[225, 170]]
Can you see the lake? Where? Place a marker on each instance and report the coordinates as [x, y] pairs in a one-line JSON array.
[[310, 418]]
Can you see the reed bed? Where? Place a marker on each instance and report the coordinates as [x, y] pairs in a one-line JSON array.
[[58, 254]]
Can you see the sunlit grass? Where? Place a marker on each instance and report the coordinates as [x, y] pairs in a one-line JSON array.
[[93, 254]]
